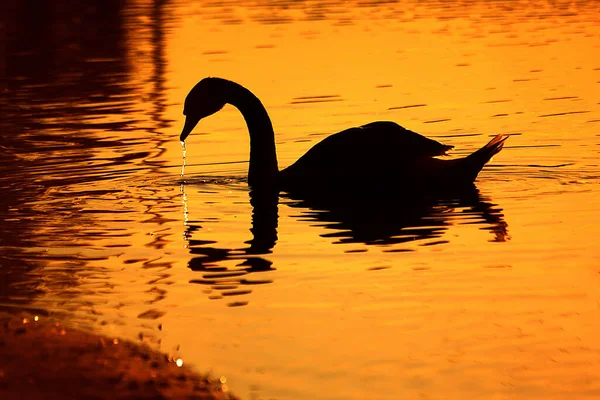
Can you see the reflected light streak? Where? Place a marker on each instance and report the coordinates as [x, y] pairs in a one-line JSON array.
[[184, 201]]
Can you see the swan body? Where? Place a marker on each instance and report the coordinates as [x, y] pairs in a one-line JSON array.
[[376, 154]]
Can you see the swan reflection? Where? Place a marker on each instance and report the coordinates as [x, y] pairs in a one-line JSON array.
[[389, 221]]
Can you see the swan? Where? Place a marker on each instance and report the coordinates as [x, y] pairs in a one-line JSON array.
[[375, 154]]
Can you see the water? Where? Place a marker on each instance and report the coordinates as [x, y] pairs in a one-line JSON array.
[[491, 295]]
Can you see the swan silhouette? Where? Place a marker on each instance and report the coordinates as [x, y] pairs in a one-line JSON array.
[[377, 154]]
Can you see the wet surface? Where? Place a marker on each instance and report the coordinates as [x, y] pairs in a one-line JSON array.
[[488, 292]]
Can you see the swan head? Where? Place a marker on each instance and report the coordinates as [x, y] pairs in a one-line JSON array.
[[206, 98]]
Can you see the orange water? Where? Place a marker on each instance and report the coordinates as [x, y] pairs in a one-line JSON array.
[[493, 297]]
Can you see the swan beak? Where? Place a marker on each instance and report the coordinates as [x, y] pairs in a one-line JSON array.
[[190, 123]]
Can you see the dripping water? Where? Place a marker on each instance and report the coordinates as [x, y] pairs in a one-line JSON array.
[[183, 164]]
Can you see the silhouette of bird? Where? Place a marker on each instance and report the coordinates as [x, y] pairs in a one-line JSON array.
[[379, 154]]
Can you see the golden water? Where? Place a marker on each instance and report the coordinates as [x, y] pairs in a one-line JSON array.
[[494, 296]]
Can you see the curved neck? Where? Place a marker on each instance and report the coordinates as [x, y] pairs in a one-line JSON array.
[[263, 168]]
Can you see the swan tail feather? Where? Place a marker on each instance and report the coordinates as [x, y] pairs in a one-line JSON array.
[[475, 162]]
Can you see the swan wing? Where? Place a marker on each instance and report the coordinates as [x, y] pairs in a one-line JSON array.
[[376, 149], [404, 139], [379, 142]]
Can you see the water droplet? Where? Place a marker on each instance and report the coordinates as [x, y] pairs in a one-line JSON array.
[[183, 163]]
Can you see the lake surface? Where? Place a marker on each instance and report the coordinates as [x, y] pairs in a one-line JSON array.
[[495, 294]]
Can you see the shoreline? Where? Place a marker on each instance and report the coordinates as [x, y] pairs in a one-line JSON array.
[[42, 358]]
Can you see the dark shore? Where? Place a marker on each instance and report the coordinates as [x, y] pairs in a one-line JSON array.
[[44, 359]]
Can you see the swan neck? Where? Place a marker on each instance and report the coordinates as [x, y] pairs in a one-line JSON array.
[[263, 167]]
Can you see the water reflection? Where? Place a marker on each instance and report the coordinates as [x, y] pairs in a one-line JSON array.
[[400, 217], [59, 87], [74, 91], [208, 259], [382, 219]]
